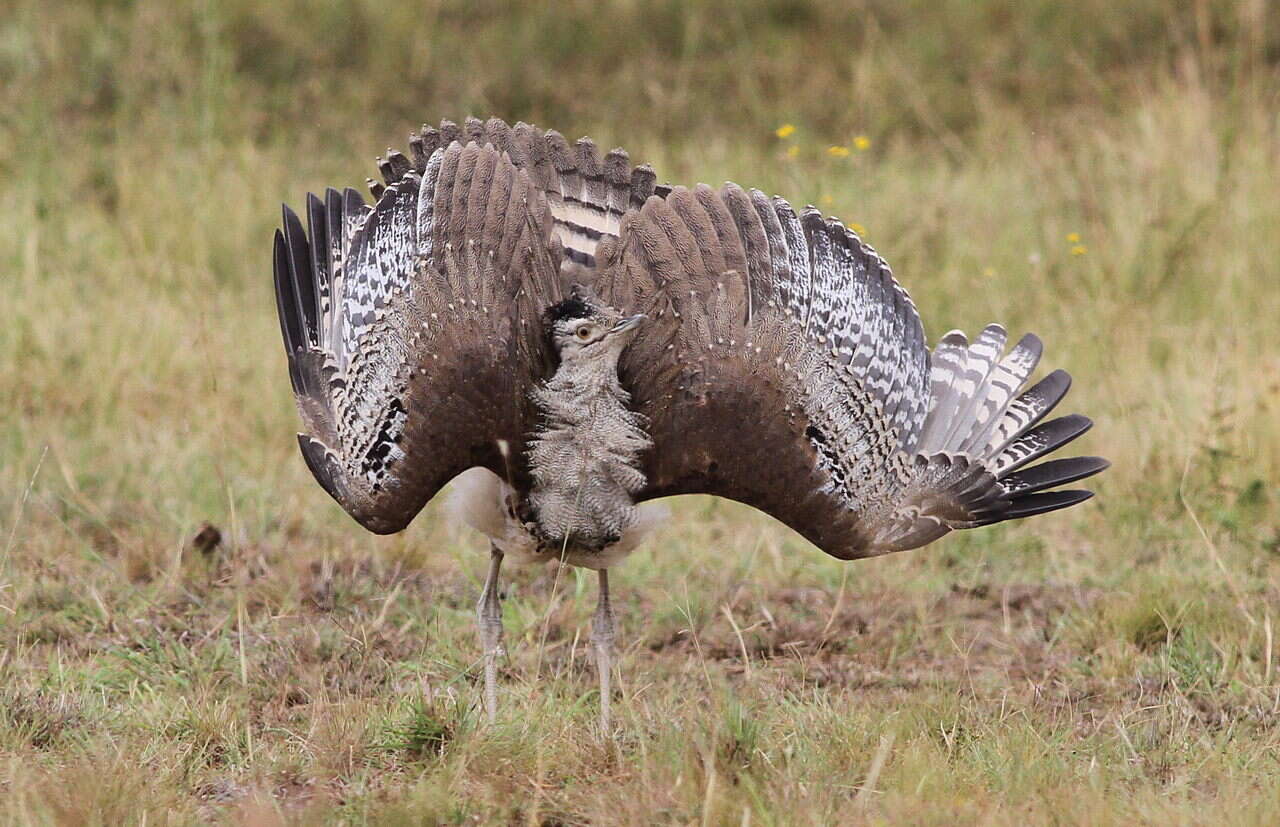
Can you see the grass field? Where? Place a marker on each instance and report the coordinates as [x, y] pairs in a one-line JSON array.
[[1103, 174]]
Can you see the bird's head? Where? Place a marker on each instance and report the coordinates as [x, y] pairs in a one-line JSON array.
[[582, 326]]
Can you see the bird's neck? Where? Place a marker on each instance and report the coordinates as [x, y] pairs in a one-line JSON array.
[[585, 458], [582, 388]]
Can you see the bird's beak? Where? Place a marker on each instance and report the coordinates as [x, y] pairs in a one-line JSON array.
[[628, 323]]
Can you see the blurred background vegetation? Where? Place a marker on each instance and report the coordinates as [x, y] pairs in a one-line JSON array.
[[1102, 173], [668, 71]]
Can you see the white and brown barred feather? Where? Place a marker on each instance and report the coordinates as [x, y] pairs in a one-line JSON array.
[[797, 380], [432, 345], [783, 366]]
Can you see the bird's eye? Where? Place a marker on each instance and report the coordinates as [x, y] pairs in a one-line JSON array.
[[584, 333]]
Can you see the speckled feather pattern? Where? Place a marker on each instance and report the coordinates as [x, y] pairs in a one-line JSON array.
[[782, 364], [585, 456]]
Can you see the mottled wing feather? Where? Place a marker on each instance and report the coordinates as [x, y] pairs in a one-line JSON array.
[[380, 261], [426, 365], [784, 367], [740, 371], [586, 195]]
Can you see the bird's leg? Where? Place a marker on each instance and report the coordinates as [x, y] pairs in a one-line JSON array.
[[602, 639], [489, 621]]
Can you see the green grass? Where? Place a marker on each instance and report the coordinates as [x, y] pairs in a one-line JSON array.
[[1114, 663]]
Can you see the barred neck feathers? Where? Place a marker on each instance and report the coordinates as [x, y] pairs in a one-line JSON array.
[[585, 457]]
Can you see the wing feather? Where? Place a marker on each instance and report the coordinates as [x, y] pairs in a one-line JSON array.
[[783, 366], [792, 374], [426, 366]]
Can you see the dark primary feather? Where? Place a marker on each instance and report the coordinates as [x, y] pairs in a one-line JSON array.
[[1050, 475], [287, 310], [303, 281], [1040, 440], [782, 364]]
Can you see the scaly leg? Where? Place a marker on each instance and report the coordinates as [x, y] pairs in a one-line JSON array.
[[489, 621], [602, 639]]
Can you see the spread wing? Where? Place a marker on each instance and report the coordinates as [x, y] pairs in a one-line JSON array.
[[412, 326], [786, 368]]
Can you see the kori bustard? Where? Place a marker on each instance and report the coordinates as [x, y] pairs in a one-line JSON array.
[[590, 341]]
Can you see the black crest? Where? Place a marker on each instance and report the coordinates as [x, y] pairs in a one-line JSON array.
[[571, 308]]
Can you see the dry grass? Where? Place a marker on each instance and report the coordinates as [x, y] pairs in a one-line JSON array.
[[1111, 664]]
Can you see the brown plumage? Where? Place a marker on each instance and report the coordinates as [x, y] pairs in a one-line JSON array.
[[778, 364]]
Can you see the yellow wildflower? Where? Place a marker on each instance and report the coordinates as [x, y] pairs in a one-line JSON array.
[[862, 143], [793, 151], [1073, 238], [827, 200], [1079, 250], [838, 151], [989, 272], [785, 131], [857, 228]]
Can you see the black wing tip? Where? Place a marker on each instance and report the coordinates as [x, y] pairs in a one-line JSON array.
[[1079, 423], [290, 219], [1062, 430], [286, 303], [1096, 464], [1030, 497], [1052, 474], [1052, 387], [289, 328], [1031, 341], [298, 249], [1051, 435], [1043, 503]]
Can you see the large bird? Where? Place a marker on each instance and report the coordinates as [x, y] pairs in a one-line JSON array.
[[591, 341]]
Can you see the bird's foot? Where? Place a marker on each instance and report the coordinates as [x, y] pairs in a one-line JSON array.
[[602, 635], [489, 623]]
